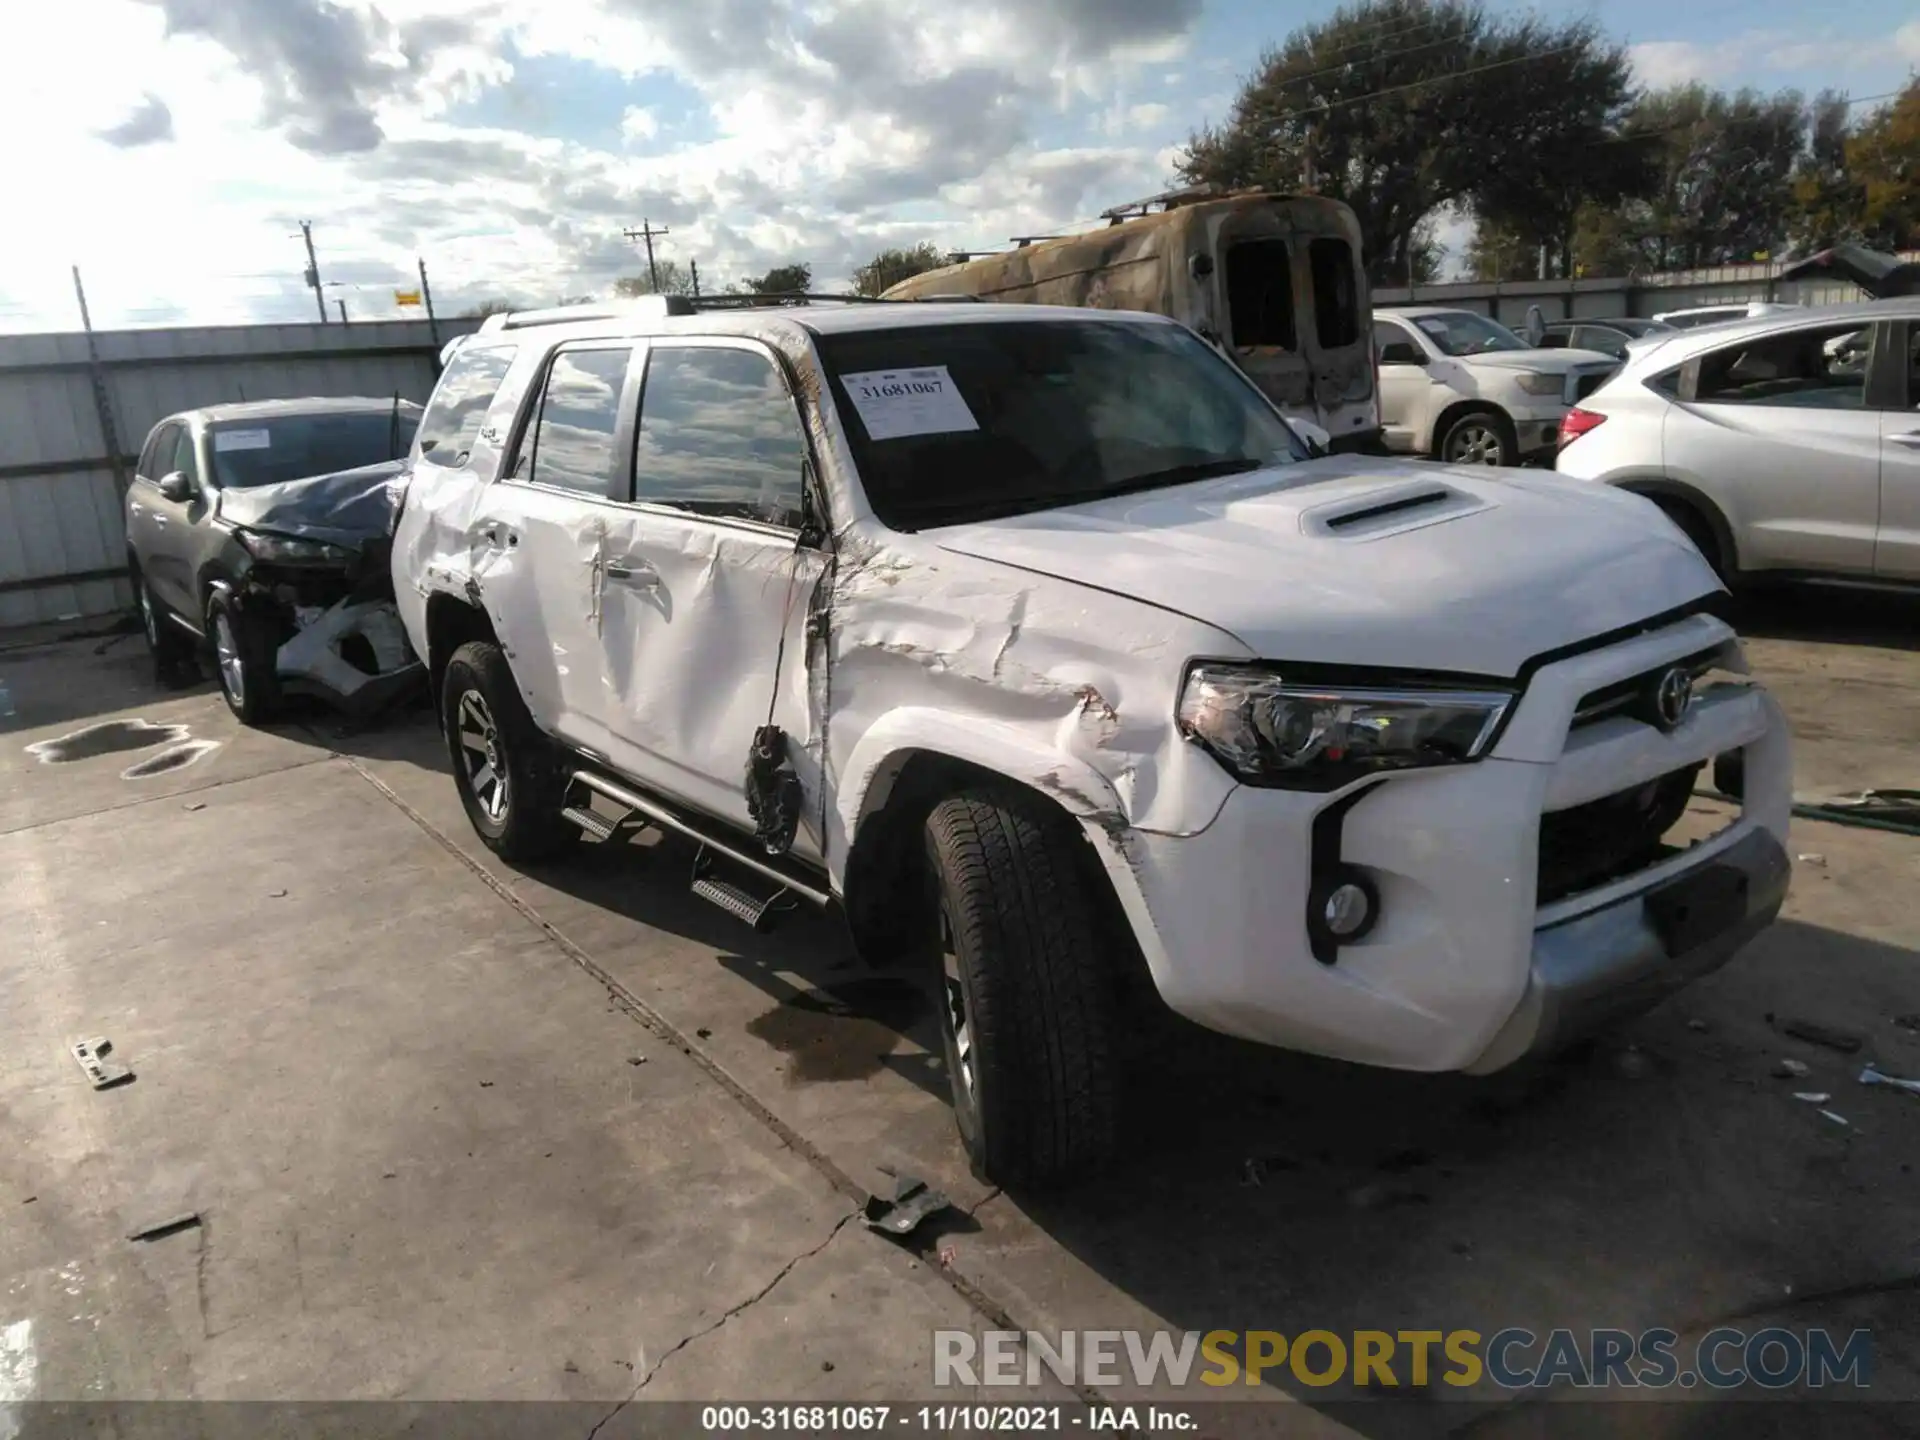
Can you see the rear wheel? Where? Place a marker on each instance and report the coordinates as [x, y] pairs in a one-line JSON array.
[[1026, 1000], [170, 648], [1480, 437], [502, 765], [244, 647]]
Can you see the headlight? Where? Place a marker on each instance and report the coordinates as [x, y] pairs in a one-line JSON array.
[[1315, 737], [1534, 383], [396, 502], [285, 550]]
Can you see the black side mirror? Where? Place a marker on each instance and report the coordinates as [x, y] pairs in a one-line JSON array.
[[175, 486], [1401, 352]]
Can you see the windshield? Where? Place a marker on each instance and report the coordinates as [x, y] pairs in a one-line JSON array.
[[267, 451], [959, 422], [1461, 332]]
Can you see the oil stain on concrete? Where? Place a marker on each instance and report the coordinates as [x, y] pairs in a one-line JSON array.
[[844, 1032], [108, 737], [174, 757]]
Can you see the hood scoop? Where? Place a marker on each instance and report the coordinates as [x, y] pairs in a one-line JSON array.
[[1388, 512]]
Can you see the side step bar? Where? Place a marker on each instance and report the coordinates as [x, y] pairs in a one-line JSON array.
[[669, 819]]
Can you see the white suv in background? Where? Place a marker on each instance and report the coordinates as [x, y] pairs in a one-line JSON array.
[[1459, 387], [1036, 642], [1787, 445]]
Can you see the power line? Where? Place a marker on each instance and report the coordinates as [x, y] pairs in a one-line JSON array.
[[1324, 106], [646, 232]]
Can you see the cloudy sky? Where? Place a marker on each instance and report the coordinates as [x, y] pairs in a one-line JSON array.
[[169, 147]]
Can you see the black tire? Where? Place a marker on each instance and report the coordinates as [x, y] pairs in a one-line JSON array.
[[1028, 1014], [171, 648], [503, 766], [244, 647], [1479, 437]]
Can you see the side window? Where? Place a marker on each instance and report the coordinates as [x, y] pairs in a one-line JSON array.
[[157, 458], [1598, 337], [1556, 339], [1821, 369], [572, 444], [1260, 294], [1388, 337], [719, 436], [1913, 366], [186, 458], [1336, 297], [460, 402]]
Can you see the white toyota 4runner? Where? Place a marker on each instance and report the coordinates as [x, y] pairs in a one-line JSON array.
[[1035, 641]]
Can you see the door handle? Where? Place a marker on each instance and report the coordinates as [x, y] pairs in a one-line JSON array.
[[160, 520], [636, 573], [1911, 439]]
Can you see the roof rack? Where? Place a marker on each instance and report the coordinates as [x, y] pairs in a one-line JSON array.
[[567, 314], [775, 297], [1166, 200]]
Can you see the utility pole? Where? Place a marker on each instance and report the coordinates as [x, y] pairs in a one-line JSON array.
[[313, 270], [646, 232], [102, 404], [343, 310], [693, 268], [426, 296]]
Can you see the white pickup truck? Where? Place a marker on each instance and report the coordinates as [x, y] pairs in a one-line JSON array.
[[1035, 640]]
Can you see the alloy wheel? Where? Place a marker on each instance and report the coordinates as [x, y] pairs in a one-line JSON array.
[[233, 670], [1476, 444], [482, 757], [954, 994]]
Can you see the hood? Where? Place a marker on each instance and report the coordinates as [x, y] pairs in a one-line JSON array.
[[1548, 362], [348, 507], [1359, 562]]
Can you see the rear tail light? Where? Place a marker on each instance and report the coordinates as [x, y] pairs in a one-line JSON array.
[[1578, 422]]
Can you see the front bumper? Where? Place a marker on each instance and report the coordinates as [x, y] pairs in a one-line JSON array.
[[1467, 968], [1626, 957]]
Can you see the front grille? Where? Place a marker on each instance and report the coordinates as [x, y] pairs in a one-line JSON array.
[[1606, 839], [1634, 694]]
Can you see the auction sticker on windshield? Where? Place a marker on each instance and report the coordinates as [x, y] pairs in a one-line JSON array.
[[224, 440], [895, 404]]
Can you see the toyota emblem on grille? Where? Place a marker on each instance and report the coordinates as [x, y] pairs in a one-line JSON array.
[[1673, 697]]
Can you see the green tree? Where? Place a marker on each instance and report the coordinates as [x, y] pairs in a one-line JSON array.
[[1884, 155], [1496, 253], [890, 267], [794, 279], [1828, 201], [1725, 164], [1399, 107], [675, 279]]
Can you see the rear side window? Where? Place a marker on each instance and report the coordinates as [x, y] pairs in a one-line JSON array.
[[575, 443], [460, 403], [1336, 293], [186, 459], [1555, 340], [1260, 294], [1818, 369], [719, 436]]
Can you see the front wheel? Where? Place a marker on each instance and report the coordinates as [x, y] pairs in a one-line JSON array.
[[244, 647], [1480, 438], [1027, 1004], [502, 764]]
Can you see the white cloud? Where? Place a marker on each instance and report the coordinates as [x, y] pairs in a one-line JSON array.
[[1148, 117], [1766, 56], [638, 122]]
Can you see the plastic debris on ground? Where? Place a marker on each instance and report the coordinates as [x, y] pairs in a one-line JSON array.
[[1837, 1119], [1871, 1076], [1816, 860], [1813, 1097], [1792, 1070], [912, 1201], [100, 1071]]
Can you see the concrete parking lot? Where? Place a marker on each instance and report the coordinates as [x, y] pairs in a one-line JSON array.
[[451, 1130]]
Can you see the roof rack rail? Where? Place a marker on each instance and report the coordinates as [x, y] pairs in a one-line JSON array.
[[568, 314], [776, 297]]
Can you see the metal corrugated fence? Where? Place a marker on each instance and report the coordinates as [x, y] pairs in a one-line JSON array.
[[62, 541]]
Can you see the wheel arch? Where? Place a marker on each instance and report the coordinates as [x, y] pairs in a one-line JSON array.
[[1678, 492], [1457, 411], [910, 761], [451, 622]]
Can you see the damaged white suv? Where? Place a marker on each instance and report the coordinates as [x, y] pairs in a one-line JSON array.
[[1034, 639]]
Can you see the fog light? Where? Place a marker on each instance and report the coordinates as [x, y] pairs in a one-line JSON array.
[[1348, 911]]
